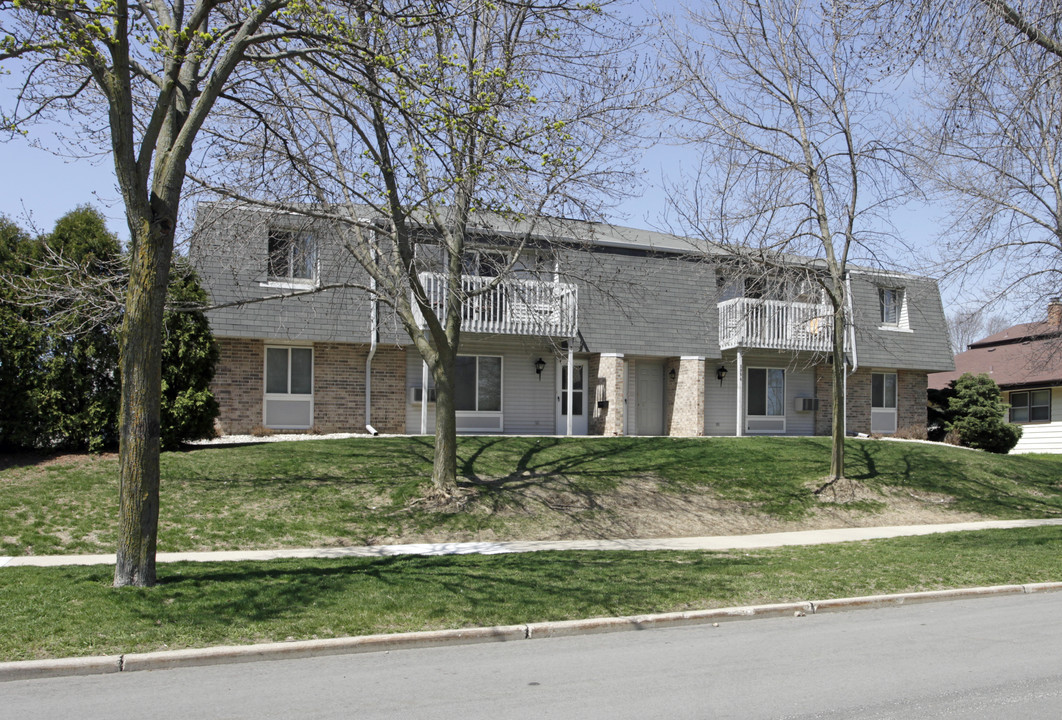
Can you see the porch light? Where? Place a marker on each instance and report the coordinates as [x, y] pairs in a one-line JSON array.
[[671, 373], [540, 365], [721, 373]]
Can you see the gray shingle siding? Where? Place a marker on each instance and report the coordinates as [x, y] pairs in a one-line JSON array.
[[637, 295], [229, 248], [640, 304], [924, 347]]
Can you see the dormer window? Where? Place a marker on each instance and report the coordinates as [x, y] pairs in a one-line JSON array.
[[892, 303], [292, 256]]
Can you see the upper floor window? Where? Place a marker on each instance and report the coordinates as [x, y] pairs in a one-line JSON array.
[[890, 301], [292, 255], [1030, 406]]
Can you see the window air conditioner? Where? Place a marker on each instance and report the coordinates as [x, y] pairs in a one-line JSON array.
[[416, 395], [807, 404]]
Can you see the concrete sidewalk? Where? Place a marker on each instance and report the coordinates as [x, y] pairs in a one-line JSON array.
[[721, 542]]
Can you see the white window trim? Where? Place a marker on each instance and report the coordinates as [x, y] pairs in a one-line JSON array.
[[892, 413], [288, 396], [903, 323], [293, 283], [749, 416], [501, 388]]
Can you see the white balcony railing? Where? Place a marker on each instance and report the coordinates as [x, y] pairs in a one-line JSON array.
[[775, 325], [513, 307]]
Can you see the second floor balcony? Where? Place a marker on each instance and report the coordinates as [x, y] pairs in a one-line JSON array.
[[752, 323], [514, 306]]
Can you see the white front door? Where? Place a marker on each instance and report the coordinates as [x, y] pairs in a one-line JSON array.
[[578, 390]]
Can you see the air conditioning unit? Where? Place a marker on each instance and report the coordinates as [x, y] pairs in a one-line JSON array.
[[807, 404], [416, 395]]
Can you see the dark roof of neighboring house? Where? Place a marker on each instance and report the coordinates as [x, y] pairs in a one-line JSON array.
[[1025, 355]]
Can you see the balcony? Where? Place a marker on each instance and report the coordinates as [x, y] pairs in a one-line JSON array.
[[513, 307], [775, 325]]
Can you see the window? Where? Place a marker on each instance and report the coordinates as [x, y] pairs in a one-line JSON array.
[[883, 390], [1030, 406], [292, 255], [891, 302], [883, 418], [289, 371], [766, 393], [288, 387], [477, 383]]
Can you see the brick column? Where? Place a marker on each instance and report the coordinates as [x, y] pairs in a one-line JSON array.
[[606, 371], [684, 397]]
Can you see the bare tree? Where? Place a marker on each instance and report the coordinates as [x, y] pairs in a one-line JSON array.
[[468, 127], [140, 81], [968, 326], [800, 156], [993, 152]]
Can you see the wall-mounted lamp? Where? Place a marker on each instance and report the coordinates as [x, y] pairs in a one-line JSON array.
[[540, 365], [671, 373], [721, 373]]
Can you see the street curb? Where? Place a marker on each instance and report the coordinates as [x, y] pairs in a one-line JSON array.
[[192, 657]]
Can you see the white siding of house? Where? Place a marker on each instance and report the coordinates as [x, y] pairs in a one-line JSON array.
[[528, 403], [720, 402], [1042, 437]]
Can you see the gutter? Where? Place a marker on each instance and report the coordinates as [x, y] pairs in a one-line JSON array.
[[374, 332]]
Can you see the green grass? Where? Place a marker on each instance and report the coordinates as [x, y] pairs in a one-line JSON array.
[[55, 612], [359, 491]]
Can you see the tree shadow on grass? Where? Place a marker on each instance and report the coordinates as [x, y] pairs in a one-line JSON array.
[[395, 593], [975, 484]]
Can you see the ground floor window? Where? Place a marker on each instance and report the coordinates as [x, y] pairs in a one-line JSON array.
[[1030, 406], [288, 387], [478, 383], [766, 392], [883, 391]]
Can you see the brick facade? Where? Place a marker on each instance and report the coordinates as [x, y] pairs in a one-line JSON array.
[[238, 385], [910, 401], [684, 397], [607, 379], [338, 380]]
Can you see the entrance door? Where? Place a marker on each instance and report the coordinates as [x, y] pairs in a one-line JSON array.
[[578, 390], [649, 400]]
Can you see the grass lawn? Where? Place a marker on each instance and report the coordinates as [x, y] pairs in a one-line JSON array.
[[364, 491], [55, 612]]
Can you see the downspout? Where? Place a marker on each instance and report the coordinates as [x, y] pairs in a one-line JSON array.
[[852, 337], [374, 331]]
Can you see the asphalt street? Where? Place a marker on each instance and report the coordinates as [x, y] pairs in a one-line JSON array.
[[997, 657]]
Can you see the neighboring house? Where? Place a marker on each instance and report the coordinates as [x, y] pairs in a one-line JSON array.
[[1026, 363], [601, 330]]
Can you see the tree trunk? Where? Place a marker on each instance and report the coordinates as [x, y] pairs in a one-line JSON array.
[[838, 395], [141, 376], [444, 469]]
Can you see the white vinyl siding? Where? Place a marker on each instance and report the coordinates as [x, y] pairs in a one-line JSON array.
[[1042, 437], [528, 399]]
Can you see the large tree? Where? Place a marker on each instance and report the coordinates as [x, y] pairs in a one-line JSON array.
[[482, 118], [992, 145], [139, 80], [799, 157]]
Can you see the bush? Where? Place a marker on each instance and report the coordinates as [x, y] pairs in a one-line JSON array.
[[189, 358], [978, 415]]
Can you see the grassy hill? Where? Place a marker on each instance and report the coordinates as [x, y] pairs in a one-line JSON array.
[[367, 491]]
